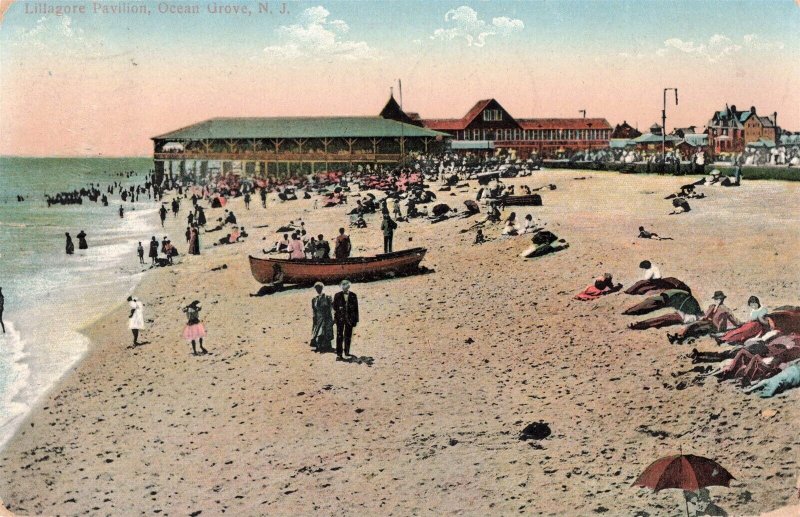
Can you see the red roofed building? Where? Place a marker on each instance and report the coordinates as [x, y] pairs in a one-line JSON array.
[[488, 121]]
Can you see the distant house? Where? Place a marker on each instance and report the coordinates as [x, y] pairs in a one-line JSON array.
[[691, 143], [653, 140], [487, 125], [731, 130], [683, 131], [625, 131]]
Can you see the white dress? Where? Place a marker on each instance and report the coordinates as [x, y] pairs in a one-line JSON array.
[[137, 320]]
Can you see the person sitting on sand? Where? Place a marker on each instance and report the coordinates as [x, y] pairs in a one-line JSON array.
[[687, 310], [756, 325], [644, 234], [194, 330], [296, 251], [360, 222], [526, 190], [511, 229], [602, 286], [681, 206], [281, 246], [479, 237], [544, 242], [530, 225], [717, 318]]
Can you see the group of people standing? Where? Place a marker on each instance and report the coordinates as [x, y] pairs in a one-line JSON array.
[[82, 244]]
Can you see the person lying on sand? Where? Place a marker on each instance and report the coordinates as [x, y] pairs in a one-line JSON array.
[[755, 367], [602, 286], [687, 310], [787, 379], [681, 206], [544, 242], [644, 234], [717, 318]]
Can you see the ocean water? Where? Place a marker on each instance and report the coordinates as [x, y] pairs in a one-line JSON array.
[[50, 296]]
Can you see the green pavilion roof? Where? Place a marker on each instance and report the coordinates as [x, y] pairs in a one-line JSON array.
[[298, 127]]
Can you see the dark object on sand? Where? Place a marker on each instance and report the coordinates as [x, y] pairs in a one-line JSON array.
[[472, 207], [535, 431], [220, 268], [526, 200], [484, 178], [307, 272], [440, 209]]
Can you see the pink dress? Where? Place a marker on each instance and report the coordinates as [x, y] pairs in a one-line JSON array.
[[296, 249], [193, 329]]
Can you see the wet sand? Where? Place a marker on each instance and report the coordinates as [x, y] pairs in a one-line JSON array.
[[451, 367]]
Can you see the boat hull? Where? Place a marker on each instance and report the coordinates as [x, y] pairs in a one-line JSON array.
[[355, 269]]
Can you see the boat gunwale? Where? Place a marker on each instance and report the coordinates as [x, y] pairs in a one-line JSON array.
[[340, 262]]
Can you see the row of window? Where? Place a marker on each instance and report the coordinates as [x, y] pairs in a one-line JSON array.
[[533, 134]]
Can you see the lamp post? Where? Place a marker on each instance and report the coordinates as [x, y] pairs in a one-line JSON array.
[[582, 111], [664, 123]]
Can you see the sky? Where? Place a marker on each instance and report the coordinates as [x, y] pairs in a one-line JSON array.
[[104, 81]]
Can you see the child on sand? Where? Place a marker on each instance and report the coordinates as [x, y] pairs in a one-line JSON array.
[[194, 330]]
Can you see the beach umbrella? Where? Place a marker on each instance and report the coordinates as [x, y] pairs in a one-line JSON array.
[[684, 471]]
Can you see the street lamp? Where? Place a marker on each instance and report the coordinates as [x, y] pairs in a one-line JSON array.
[[664, 123], [582, 111]]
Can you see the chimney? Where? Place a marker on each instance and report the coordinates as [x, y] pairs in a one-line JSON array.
[[753, 110]]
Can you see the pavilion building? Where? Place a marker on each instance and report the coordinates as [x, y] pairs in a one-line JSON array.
[[284, 147]]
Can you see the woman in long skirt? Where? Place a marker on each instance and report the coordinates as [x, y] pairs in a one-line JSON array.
[[322, 326], [194, 330]]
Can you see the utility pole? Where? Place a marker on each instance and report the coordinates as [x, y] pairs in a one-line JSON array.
[[402, 127], [664, 123]]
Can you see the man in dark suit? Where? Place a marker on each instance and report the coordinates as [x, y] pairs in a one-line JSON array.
[[345, 312]]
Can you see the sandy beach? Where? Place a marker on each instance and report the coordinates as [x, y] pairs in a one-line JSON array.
[[452, 365]]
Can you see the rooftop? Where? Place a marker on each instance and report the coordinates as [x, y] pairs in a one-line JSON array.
[[298, 127]]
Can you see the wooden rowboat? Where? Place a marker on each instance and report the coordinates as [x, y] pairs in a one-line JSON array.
[[306, 271], [526, 200]]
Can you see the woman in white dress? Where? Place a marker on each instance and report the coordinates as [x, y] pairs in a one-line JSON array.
[[136, 318]]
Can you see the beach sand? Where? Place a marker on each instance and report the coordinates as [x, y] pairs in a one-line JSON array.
[[452, 365]]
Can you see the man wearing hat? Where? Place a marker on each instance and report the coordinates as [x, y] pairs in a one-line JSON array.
[[345, 309], [717, 318]]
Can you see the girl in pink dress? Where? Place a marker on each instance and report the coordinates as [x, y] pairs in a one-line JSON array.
[[194, 330]]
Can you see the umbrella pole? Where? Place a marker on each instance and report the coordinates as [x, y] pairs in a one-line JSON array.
[[686, 502]]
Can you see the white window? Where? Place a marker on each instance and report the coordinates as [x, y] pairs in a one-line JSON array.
[[492, 115]]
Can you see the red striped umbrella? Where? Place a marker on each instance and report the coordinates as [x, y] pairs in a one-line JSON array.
[[684, 471]]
